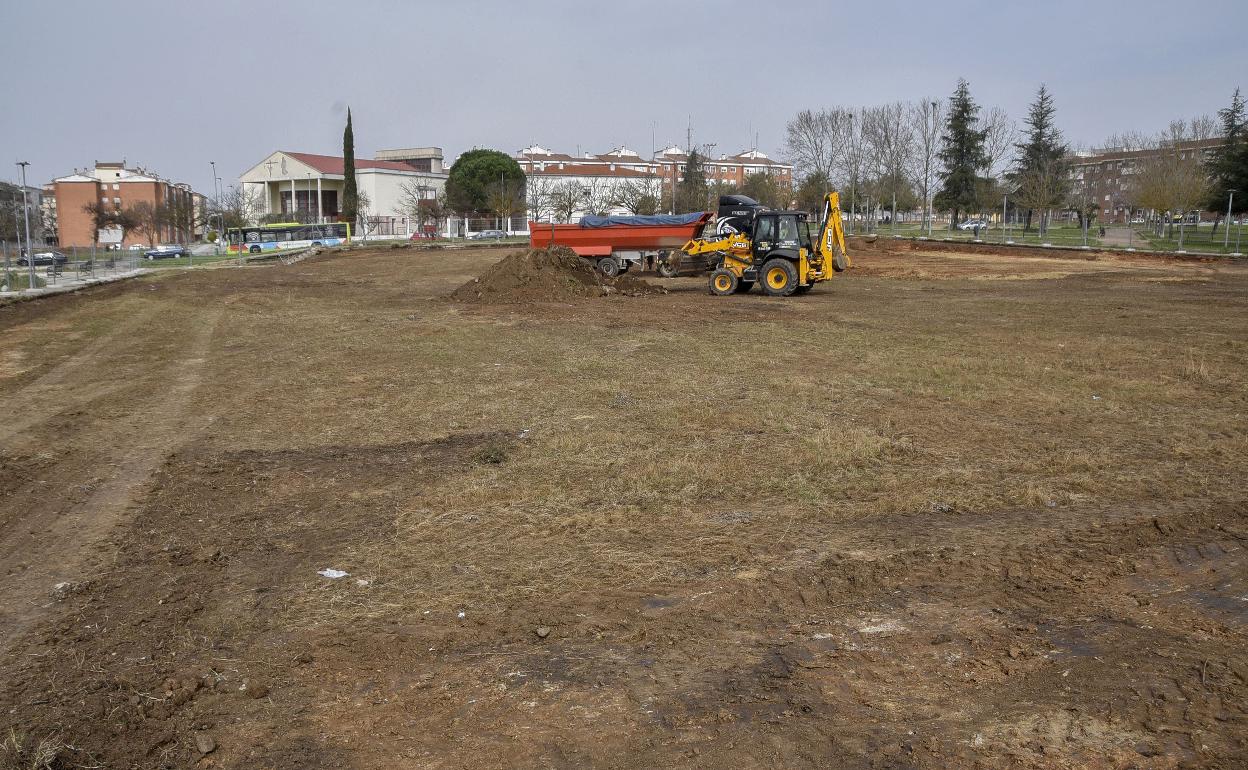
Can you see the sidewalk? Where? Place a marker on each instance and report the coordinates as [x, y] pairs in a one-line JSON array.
[[67, 284], [1122, 238]]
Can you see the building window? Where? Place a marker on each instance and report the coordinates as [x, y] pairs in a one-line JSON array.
[[116, 186]]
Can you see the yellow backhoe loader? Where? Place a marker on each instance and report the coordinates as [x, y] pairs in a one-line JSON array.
[[778, 251]]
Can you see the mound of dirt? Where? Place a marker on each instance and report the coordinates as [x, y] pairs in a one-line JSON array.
[[547, 275]]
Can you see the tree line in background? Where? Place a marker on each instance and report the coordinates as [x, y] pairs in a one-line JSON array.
[[900, 156], [928, 155], [150, 220]]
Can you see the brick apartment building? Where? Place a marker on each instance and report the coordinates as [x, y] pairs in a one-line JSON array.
[[117, 188], [727, 169], [1105, 175]]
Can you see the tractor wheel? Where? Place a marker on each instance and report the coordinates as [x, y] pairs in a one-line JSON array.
[[743, 286], [609, 267], [723, 282], [779, 277]]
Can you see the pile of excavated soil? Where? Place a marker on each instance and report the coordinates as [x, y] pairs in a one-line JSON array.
[[547, 275]]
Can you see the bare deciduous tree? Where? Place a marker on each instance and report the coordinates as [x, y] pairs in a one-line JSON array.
[[890, 141], [565, 199], [598, 195], [1042, 188], [638, 196], [1174, 179], [148, 220], [240, 207], [1000, 136], [505, 198], [421, 203], [537, 196], [927, 120], [814, 141]]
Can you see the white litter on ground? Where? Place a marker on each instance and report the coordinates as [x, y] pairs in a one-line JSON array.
[[331, 573], [881, 627]]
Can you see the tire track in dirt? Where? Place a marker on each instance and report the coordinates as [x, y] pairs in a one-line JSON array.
[[56, 543], [49, 394]]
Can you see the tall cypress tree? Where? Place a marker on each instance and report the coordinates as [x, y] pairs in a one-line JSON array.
[[1228, 165], [962, 154], [350, 196], [1039, 175]]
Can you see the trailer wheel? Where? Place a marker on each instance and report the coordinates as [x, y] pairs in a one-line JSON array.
[[723, 282], [609, 267], [666, 270]]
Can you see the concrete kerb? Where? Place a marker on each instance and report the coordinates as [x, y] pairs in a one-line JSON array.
[[1182, 256], [70, 285]]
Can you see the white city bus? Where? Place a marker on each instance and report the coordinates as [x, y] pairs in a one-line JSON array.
[[287, 235]]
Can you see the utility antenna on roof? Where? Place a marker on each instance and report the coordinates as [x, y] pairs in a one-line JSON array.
[[689, 137]]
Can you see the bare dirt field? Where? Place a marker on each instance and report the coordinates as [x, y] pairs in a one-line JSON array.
[[950, 510]]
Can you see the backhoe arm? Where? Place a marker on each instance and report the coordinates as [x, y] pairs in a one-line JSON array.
[[832, 234]]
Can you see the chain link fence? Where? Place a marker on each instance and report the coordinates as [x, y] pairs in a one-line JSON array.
[[56, 267]]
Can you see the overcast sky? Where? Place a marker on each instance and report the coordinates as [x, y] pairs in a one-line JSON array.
[[172, 85]]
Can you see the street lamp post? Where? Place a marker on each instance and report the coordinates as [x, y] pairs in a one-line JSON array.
[[1084, 214], [1005, 202], [1226, 234], [931, 201], [30, 254], [216, 204]]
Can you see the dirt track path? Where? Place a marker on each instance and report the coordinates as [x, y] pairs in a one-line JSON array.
[[54, 539]]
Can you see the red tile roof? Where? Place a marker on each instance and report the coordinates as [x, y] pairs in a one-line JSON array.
[[329, 164], [538, 157]]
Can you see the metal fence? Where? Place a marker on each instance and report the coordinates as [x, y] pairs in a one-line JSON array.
[[81, 266]]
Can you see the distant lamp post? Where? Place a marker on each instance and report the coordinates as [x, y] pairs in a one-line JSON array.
[[1005, 203], [30, 254], [1226, 234], [216, 204]]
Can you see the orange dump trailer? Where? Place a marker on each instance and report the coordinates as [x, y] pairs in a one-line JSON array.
[[615, 244]]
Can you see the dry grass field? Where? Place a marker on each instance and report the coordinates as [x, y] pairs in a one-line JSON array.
[[950, 510]]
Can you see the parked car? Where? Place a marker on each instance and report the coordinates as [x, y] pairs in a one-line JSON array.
[[44, 258], [487, 235], [165, 251], [971, 224]]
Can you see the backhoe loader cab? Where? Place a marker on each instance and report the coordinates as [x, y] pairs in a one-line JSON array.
[[779, 251]]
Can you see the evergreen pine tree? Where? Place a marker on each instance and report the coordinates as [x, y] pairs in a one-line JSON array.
[[1039, 176], [1228, 165], [962, 154], [350, 196]]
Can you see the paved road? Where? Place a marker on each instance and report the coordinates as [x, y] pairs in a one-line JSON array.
[[1120, 237]]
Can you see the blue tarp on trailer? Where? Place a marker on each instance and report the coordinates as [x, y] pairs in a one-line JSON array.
[[661, 219]]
